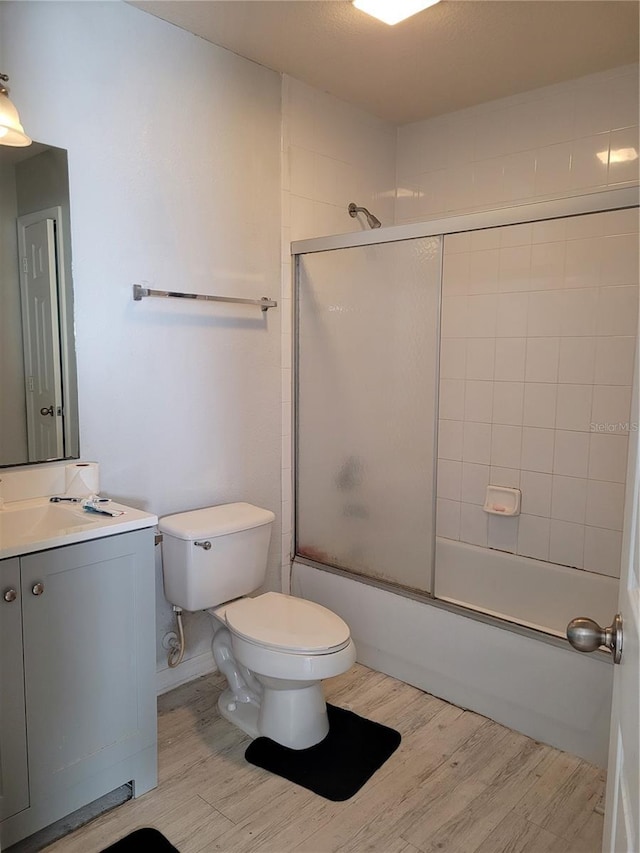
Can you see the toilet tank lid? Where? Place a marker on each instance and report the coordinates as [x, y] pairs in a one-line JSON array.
[[215, 521]]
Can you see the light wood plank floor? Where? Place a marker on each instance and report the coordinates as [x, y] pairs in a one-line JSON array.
[[459, 783]]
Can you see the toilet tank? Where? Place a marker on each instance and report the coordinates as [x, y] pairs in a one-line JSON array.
[[212, 555]]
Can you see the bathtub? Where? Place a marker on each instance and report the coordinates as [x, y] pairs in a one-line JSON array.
[[535, 684]]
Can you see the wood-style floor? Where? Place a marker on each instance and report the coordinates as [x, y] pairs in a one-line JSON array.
[[458, 783]]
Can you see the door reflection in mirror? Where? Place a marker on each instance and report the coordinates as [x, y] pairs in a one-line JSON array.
[[38, 382]]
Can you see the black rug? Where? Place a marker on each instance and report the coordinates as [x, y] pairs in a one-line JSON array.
[[338, 766], [141, 841]]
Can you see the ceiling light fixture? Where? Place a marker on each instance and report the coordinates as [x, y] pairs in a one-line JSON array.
[[393, 11], [11, 131]]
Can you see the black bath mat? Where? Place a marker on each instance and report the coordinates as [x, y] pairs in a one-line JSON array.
[[338, 766], [142, 841]]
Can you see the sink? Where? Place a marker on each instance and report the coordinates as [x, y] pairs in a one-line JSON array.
[[41, 522], [36, 524]]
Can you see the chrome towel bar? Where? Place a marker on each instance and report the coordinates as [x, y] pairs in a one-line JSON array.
[[139, 292]]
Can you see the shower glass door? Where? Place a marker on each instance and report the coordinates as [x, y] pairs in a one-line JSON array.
[[368, 324]]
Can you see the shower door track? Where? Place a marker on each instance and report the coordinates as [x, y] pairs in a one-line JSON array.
[[599, 202], [459, 609]]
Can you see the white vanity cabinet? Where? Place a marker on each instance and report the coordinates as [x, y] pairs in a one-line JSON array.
[[77, 690]]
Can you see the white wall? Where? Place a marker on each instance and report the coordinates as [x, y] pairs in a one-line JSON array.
[[174, 176], [539, 144]]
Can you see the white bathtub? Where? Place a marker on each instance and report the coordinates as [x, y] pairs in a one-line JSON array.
[[545, 690], [529, 592]]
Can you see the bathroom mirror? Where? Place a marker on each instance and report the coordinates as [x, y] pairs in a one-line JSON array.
[[38, 381]]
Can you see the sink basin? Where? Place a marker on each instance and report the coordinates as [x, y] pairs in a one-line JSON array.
[[36, 524], [41, 522]]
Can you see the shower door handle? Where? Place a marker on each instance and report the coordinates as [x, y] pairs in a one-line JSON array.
[[586, 635]]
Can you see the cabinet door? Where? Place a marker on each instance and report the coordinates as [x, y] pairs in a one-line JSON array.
[[14, 792], [87, 701]]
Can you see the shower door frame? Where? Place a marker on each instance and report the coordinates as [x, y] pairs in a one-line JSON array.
[[559, 208]]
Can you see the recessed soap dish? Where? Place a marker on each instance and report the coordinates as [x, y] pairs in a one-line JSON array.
[[502, 501]]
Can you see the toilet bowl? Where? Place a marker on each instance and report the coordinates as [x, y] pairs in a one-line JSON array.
[[288, 645], [274, 649]]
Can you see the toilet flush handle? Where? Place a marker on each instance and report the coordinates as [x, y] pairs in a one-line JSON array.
[[206, 545]]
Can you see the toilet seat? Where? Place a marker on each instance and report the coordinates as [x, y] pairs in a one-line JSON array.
[[286, 624]]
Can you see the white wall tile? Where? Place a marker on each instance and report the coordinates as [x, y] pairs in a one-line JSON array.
[[543, 313], [476, 446], [543, 355], [578, 311], [577, 360], [449, 479], [611, 407], [533, 537], [537, 450], [608, 457], [549, 231], [602, 551], [454, 316], [516, 235], [569, 499], [547, 266], [508, 402], [540, 404], [510, 356], [617, 311], [515, 268], [536, 493], [506, 442], [480, 358], [605, 505], [453, 358], [478, 401], [455, 274], [509, 477], [583, 257], [571, 453], [483, 270], [614, 361], [619, 260], [473, 524], [566, 543], [574, 407], [553, 169], [448, 519], [454, 243], [589, 161], [475, 479], [503, 533], [512, 315], [450, 440], [519, 175], [481, 318], [621, 169], [451, 401]]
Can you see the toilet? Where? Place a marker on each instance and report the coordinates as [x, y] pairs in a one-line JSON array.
[[274, 649]]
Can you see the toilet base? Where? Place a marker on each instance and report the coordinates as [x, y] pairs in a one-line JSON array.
[[244, 715], [296, 718]]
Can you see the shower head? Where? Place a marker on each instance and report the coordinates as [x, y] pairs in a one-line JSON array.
[[372, 220]]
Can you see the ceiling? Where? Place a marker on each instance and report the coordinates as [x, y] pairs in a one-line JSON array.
[[450, 56]]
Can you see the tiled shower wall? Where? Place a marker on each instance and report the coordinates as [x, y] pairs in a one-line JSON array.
[[549, 142], [538, 326], [538, 321], [332, 153]]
